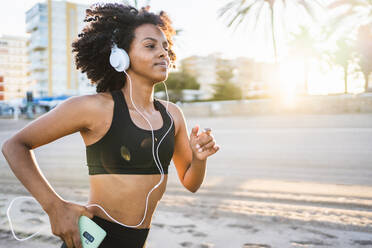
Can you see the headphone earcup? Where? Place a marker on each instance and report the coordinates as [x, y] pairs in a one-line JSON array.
[[119, 59], [126, 60]]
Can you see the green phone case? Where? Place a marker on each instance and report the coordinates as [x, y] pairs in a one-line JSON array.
[[91, 234]]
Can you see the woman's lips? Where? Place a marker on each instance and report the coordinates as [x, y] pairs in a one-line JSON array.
[[162, 65]]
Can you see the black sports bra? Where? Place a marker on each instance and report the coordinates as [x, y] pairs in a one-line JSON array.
[[127, 148]]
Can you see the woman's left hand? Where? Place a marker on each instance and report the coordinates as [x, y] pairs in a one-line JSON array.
[[202, 145]]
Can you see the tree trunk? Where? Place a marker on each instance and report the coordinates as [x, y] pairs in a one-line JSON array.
[[366, 81], [306, 72], [345, 77], [273, 33]]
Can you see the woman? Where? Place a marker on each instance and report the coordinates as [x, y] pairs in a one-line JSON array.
[[117, 138]]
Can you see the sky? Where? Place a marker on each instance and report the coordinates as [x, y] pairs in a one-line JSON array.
[[202, 33]]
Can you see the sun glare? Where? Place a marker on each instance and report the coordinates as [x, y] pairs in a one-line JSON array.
[[321, 80], [291, 81]]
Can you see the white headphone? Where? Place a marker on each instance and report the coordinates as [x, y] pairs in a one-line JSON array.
[[119, 58]]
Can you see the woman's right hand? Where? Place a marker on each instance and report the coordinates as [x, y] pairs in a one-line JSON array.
[[64, 219]]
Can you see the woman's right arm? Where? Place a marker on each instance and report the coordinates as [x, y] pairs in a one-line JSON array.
[[70, 116]]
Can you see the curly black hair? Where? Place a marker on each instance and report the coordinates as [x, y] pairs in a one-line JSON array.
[[108, 23]]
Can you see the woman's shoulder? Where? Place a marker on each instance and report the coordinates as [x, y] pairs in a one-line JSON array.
[[91, 106], [176, 113], [92, 101], [172, 108]]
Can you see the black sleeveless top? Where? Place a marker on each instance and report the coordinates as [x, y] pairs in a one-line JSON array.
[[127, 148]]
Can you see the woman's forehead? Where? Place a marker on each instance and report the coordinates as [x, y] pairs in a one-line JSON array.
[[149, 30]]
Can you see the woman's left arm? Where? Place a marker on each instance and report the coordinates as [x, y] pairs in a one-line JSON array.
[[190, 154]]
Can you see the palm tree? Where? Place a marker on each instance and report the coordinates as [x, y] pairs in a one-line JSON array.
[[364, 49], [343, 56], [357, 12], [303, 46], [243, 9], [146, 6], [224, 89], [135, 3]]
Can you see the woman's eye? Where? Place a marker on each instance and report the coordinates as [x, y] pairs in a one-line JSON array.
[[152, 46]]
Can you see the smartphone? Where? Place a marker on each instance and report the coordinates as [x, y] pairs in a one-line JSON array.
[[91, 234]]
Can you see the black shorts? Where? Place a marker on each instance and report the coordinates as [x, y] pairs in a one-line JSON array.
[[120, 236]]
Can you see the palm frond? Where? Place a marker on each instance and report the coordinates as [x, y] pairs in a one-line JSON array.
[[284, 3], [338, 3], [222, 11], [242, 13], [258, 15], [308, 8], [354, 3], [241, 10], [339, 20]]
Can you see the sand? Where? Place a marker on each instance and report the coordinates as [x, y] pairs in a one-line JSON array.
[[294, 181]]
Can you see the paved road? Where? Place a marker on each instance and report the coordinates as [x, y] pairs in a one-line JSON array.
[[319, 148], [298, 168]]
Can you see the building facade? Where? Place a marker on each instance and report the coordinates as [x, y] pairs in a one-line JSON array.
[[13, 67], [53, 26], [255, 79], [204, 69]]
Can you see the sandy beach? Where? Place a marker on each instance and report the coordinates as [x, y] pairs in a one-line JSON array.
[[278, 181]]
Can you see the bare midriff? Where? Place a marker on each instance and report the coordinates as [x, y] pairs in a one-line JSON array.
[[123, 197]]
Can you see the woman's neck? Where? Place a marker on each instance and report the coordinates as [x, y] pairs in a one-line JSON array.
[[142, 92]]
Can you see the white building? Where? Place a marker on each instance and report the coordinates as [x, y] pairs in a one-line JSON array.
[[253, 78], [53, 25], [203, 68], [13, 67]]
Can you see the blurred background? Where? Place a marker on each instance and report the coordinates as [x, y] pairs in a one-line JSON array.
[[285, 86], [238, 50]]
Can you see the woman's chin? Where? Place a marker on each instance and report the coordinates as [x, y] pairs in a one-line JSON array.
[[161, 77]]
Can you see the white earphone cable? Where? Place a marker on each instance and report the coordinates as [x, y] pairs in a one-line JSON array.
[[156, 160]]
